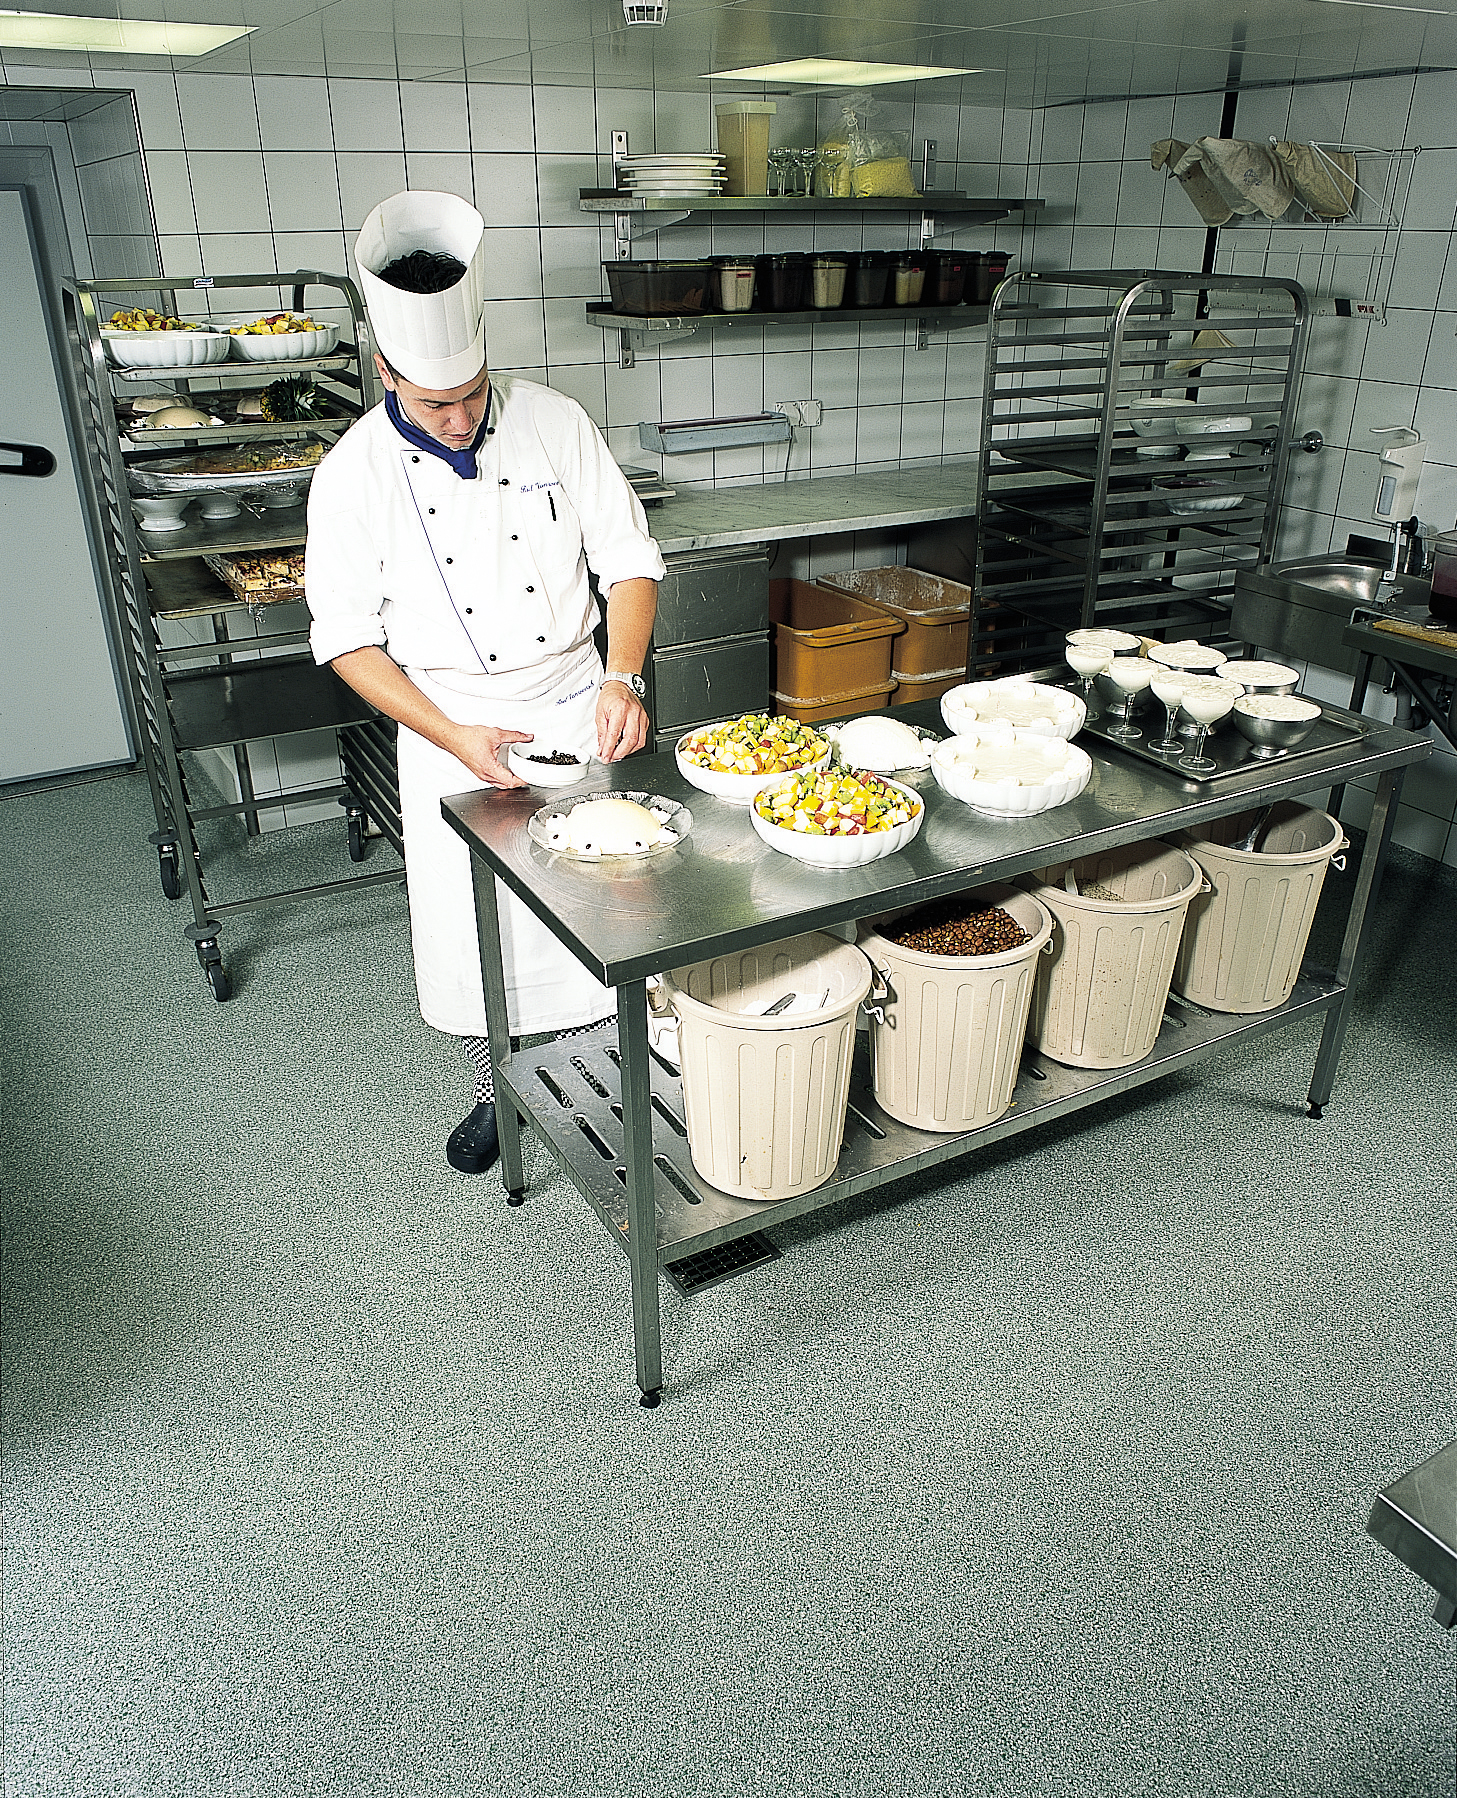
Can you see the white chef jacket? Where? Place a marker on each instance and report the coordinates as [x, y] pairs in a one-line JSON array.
[[479, 590], [485, 577]]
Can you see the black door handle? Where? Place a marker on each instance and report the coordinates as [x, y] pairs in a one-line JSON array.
[[34, 459]]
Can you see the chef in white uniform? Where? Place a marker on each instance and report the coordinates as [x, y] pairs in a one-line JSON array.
[[450, 535]]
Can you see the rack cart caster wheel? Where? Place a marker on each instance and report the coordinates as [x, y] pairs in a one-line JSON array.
[[170, 868], [356, 839], [651, 1400], [222, 987], [1314, 1111], [516, 1198]]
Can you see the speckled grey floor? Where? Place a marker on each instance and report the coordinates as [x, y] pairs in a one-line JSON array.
[[324, 1472]]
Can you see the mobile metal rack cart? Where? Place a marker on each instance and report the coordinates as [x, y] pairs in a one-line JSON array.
[[222, 695], [1082, 521], [612, 1114]]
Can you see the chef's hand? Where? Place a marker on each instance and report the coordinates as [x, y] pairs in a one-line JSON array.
[[622, 724], [480, 747]]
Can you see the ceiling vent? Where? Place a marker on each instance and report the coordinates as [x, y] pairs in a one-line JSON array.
[[645, 12]]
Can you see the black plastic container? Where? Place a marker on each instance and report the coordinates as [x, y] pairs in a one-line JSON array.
[[991, 271], [650, 289], [869, 278], [780, 283], [945, 277]]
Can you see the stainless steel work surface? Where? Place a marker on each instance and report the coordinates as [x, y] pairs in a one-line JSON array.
[[1416, 1518], [724, 889], [1393, 646], [712, 518]]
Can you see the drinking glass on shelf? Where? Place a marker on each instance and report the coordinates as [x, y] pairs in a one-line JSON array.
[[804, 165], [1168, 689], [1086, 663], [1132, 674], [778, 171], [1205, 707]]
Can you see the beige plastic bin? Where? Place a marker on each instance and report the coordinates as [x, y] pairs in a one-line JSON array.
[[946, 1041], [764, 1098], [1245, 940], [1101, 993]]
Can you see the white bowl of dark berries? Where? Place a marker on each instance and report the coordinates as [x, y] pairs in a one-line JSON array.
[[539, 765]]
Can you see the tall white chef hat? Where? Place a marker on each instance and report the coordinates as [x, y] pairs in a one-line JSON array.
[[436, 340]]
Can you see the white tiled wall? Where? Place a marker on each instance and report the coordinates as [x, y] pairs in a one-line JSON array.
[[278, 171]]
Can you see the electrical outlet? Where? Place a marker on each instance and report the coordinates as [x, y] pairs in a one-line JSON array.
[[807, 413]]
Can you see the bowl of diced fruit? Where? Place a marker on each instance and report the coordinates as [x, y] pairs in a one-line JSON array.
[[141, 338], [735, 759], [280, 337], [837, 819]]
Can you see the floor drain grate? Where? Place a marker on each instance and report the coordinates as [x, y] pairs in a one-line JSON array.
[[695, 1272]]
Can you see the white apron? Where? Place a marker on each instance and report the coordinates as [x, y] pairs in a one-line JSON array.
[[546, 987]]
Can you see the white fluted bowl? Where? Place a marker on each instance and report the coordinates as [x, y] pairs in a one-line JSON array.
[[165, 349], [737, 789], [1024, 704], [284, 346], [844, 852], [1010, 773]]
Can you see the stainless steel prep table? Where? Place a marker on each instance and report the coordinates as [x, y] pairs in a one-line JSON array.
[[612, 1113], [1416, 1518]]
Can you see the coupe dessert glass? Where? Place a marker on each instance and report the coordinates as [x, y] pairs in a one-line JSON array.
[[1085, 663], [1132, 674], [1168, 689], [1205, 707]]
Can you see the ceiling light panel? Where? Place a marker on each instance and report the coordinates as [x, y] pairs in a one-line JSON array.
[[115, 37], [825, 71]]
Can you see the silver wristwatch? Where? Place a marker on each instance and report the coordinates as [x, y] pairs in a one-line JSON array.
[[635, 681]]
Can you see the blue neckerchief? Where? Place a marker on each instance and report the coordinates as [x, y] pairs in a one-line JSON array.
[[462, 461]]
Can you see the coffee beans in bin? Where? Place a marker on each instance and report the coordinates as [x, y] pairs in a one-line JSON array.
[[650, 289]]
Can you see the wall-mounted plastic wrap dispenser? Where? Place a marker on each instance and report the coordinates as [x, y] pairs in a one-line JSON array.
[[689, 434], [1401, 471]]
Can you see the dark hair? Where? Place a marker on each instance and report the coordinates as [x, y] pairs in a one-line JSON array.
[[423, 271]]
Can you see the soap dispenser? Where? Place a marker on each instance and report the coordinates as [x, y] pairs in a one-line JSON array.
[[1400, 473]]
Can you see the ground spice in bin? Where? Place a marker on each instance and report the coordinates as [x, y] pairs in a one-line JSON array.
[[949, 929]]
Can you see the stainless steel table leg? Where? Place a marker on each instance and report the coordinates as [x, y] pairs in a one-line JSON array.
[[642, 1215], [498, 1029], [1368, 884]]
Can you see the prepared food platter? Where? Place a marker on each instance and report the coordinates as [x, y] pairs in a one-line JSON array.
[[595, 827], [262, 579], [881, 744], [265, 467]]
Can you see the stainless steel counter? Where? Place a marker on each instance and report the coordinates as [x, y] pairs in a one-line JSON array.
[[1416, 1518], [613, 1117], [714, 519]]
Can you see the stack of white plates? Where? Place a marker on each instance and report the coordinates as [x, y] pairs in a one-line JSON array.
[[672, 173]]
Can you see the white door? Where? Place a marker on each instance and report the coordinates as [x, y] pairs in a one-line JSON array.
[[60, 705]]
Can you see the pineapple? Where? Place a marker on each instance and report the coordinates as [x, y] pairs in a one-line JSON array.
[[292, 399]]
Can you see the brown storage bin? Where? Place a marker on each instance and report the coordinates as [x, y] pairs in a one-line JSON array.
[[935, 611], [827, 706], [927, 686], [828, 644]]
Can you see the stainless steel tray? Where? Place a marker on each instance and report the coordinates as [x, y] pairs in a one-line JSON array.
[[1227, 749]]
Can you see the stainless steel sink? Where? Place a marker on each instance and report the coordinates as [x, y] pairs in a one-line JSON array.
[[1355, 582], [1300, 609]]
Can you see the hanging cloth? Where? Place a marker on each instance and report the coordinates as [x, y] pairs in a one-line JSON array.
[[1225, 176], [1324, 180]]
